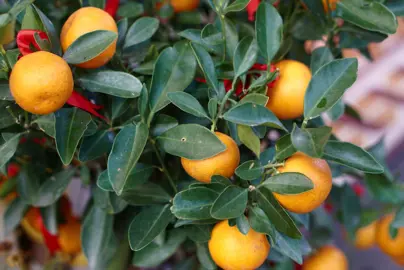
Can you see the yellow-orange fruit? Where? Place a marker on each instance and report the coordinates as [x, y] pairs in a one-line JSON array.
[[332, 5], [393, 247], [366, 236], [69, 237], [326, 258], [83, 21], [286, 98], [41, 82], [184, 5], [318, 171], [224, 163], [31, 225], [232, 250]]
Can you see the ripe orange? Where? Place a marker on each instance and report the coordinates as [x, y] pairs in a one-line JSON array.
[[366, 236], [31, 225], [223, 164], [398, 260], [41, 82], [232, 250], [286, 98], [332, 4], [393, 247], [69, 237], [326, 258], [184, 5], [318, 171], [83, 21]]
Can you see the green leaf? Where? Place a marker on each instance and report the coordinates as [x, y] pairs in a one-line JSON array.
[[278, 216], [211, 35], [5, 93], [352, 156], [245, 56], [288, 183], [70, 126], [97, 237], [49, 217], [310, 141], [103, 181], [250, 114], [31, 19], [125, 153], [130, 10], [50, 31], [95, 146], [382, 189], [212, 107], [255, 98], [259, 221], [231, 34], [292, 248], [199, 232], [250, 170], [162, 123], [220, 180], [328, 85], [242, 224], [97, 3], [336, 111], [114, 83], [7, 149], [14, 214], [46, 123], [249, 139], [269, 30], [147, 225], [122, 25], [173, 72], [320, 57], [194, 35], [236, 6], [141, 30], [284, 147], [372, 16], [203, 254], [207, 66], [191, 141], [143, 103], [194, 203], [351, 210], [89, 46], [51, 190], [153, 255], [108, 201], [146, 194], [231, 203], [28, 184], [187, 103]]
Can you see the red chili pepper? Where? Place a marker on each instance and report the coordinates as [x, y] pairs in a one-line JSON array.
[[26, 40], [51, 240], [111, 7], [81, 102], [12, 170]]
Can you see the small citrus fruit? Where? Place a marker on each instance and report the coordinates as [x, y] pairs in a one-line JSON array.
[[326, 258], [366, 236], [398, 260], [393, 247], [83, 21], [31, 225], [69, 237], [184, 5], [286, 98], [318, 171], [41, 82], [224, 163], [232, 250]]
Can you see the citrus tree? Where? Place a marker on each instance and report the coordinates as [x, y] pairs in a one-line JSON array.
[[197, 126]]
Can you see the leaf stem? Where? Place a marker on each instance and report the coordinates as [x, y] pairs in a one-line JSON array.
[[4, 54], [10, 111], [163, 165], [305, 122], [274, 165]]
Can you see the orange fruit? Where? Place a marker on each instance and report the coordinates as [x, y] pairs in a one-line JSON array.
[[326, 258], [69, 237], [365, 237], [41, 82], [224, 163], [393, 247], [184, 5], [83, 21], [232, 250], [286, 98], [332, 4], [398, 260], [32, 226], [318, 171]]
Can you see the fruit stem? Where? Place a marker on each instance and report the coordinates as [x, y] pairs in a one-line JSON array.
[[305, 122], [163, 165], [274, 165], [26, 118]]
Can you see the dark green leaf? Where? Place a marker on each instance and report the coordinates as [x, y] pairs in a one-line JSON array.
[[398, 221], [352, 156], [231, 34], [194, 203], [288, 183], [382, 189], [259, 221], [220, 180], [89, 46], [50, 31], [130, 10], [143, 103], [245, 56], [211, 35], [49, 217], [328, 85], [284, 147], [191, 141], [146, 194], [337, 110], [236, 6], [242, 224], [103, 181], [231, 203], [202, 252], [255, 98], [199, 232], [249, 139], [250, 170], [108, 201], [292, 248], [147, 225], [47, 124], [70, 126], [212, 107], [187, 103], [351, 210], [28, 184], [310, 141], [95, 146], [114, 83], [320, 57], [8, 149], [141, 30], [14, 214], [162, 123]]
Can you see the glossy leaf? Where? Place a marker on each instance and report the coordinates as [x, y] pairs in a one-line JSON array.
[[351, 210], [147, 225], [212, 107], [114, 83], [146, 194], [125, 153], [199, 232], [14, 214], [231, 203], [89, 46], [103, 181], [352, 156], [204, 257], [70, 126], [191, 141], [47, 124], [7, 149], [288, 183], [108, 201], [242, 224], [284, 147], [211, 35], [245, 56], [259, 221], [328, 85], [141, 30], [49, 217], [231, 34], [162, 123], [292, 248], [28, 184], [236, 6], [50, 31], [95, 146], [249, 139], [187, 103], [255, 98], [320, 57], [310, 141], [249, 170]]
